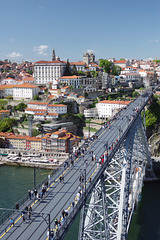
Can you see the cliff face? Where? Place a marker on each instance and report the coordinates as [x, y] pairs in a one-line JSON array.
[[154, 142]]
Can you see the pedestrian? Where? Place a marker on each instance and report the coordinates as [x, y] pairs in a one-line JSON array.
[[64, 165], [29, 212], [32, 192], [35, 192], [26, 209], [29, 194], [48, 234], [90, 179], [49, 179], [23, 218], [73, 204], [63, 213], [52, 234], [17, 206], [12, 222], [56, 222]]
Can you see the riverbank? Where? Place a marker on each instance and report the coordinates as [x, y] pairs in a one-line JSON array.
[[29, 164]]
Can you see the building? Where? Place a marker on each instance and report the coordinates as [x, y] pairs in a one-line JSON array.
[[11, 81], [12, 141], [121, 63], [74, 81], [60, 141], [4, 114], [80, 66], [91, 113], [25, 91], [6, 90], [57, 108], [88, 57], [44, 110], [48, 71], [106, 108]]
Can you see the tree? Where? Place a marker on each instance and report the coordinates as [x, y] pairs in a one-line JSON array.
[[21, 107], [122, 59], [116, 70], [74, 70], [9, 97], [30, 72], [35, 132], [106, 65], [67, 71], [36, 97], [71, 87], [135, 94], [80, 73], [86, 94], [94, 73]]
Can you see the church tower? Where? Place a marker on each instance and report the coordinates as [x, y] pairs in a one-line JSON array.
[[53, 56]]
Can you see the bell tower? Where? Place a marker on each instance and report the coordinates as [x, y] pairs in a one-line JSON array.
[[53, 56]]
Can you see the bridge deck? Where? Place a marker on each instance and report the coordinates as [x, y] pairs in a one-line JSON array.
[[61, 195]]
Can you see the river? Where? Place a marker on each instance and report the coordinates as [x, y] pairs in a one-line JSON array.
[[15, 182]]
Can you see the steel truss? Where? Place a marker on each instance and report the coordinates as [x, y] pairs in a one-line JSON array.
[[108, 212]]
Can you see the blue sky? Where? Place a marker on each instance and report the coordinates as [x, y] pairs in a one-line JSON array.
[[111, 28]]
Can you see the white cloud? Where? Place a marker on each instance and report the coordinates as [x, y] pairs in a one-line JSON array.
[[154, 41], [41, 49], [14, 55]]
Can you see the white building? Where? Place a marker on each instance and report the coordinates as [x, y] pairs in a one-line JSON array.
[[10, 81], [6, 90], [74, 81], [81, 66], [47, 116], [57, 108], [106, 107], [48, 71], [91, 113], [131, 77], [45, 109], [121, 63], [25, 91], [37, 105]]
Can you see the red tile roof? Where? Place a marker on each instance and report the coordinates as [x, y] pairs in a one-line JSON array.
[[25, 85], [115, 102], [70, 77], [38, 103]]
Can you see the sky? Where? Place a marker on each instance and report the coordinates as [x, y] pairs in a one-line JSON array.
[[110, 28]]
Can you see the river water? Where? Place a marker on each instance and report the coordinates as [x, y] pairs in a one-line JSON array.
[[15, 182]]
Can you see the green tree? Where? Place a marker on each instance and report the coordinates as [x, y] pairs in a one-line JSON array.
[[35, 132], [94, 73], [80, 73], [116, 70], [9, 97], [106, 65], [21, 107], [135, 94], [67, 71], [36, 97], [30, 72], [122, 59], [74, 70]]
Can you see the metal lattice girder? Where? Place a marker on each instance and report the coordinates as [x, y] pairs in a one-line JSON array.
[[109, 211], [94, 215]]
